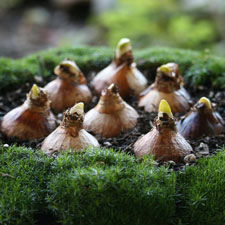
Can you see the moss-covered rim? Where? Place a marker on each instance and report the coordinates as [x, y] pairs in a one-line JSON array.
[[100, 185], [196, 67]]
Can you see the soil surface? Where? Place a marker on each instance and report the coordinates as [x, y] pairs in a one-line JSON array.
[[202, 147]]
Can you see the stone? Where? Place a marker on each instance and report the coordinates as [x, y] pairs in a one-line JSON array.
[[191, 158]]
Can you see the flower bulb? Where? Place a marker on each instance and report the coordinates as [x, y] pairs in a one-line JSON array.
[[111, 115], [201, 120], [122, 71], [168, 85], [69, 87], [163, 142], [70, 134], [32, 120]]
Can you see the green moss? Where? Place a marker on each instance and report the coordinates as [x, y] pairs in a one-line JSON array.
[[93, 187], [196, 67], [111, 188], [15, 72], [100, 186], [202, 188], [23, 179]]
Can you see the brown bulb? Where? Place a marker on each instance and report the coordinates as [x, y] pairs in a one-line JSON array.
[[70, 134], [32, 120], [201, 120], [122, 71], [111, 115], [163, 142], [69, 87], [168, 85]]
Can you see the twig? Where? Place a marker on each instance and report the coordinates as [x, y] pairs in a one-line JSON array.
[[6, 175]]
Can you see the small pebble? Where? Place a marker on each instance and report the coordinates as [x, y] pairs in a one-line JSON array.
[[211, 94], [218, 95], [107, 144], [201, 88], [38, 79], [27, 84], [172, 163], [190, 158], [18, 91], [155, 163], [204, 149]]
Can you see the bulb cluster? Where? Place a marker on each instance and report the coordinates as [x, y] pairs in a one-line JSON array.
[[118, 81]]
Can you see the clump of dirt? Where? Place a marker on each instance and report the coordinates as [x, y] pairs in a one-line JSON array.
[[202, 147]]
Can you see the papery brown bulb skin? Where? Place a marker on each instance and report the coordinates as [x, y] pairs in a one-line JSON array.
[[178, 100], [61, 139], [110, 125], [26, 124], [163, 142], [70, 134], [200, 121], [106, 125], [69, 87], [165, 146], [168, 86], [111, 115], [112, 74], [122, 72], [64, 94], [32, 120]]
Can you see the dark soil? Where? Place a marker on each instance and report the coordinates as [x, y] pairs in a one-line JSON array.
[[202, 147]]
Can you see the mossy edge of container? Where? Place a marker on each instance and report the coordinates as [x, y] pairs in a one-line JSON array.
[[36, 189], [199, 68]]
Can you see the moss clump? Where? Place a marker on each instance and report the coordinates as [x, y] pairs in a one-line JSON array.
[[93, 187], [15, 72], [99, 186], [107, 188], [196, 67], [202, 188], [23, 179]]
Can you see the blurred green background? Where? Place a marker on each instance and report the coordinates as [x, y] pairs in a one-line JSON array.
[[29, 25]]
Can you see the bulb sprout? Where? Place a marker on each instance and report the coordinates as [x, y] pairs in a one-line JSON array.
[[164, 107], [123, 46], [123, 43], [34, 91], [71, 65], [206, 101], [78, 108], [164, 69]]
